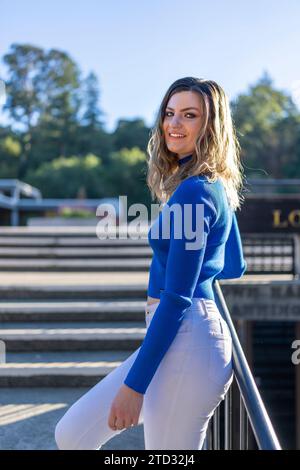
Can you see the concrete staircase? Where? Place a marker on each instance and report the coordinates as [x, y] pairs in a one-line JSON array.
[[70, 249], [71, 310], [69, 333]]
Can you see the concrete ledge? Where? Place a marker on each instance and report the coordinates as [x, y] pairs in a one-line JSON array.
[[73, 337], [74, 240], [75, 264], [70, 368], [67, 292], [118, 252], [264, 299], [65, 311]]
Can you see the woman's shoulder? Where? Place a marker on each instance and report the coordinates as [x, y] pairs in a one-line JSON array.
[[196, 185], [195, 190]]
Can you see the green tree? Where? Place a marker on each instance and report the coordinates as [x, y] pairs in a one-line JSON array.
[[268, 125], [23, 103], [130, 133], [126, 175], [68, 177], [10, 152], [91, 136], [42, 95]]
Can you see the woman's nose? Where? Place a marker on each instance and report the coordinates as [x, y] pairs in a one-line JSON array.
[[175, 122]]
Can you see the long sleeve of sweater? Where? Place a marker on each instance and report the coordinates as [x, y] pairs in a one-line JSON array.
[[234, 265], [183, 266]]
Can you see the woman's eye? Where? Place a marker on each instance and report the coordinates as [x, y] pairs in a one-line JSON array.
[[187, 114]]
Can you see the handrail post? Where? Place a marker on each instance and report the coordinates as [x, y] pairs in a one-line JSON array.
[[296, 257], [243, 426], [14, 216], [228, 420], [216, 427]]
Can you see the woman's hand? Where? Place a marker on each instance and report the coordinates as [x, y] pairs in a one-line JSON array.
[[125, 409]]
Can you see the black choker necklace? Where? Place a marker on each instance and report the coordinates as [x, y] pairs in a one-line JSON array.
[[184, 159]]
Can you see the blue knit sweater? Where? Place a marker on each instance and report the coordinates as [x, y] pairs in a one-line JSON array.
[[203, 244]]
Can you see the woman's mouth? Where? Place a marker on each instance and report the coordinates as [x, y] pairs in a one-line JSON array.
[[175, 135]]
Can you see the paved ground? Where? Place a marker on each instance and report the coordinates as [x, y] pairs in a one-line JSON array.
[[28, 417]]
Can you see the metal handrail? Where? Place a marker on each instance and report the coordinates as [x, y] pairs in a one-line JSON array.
[[250, 400], [16, 189], [274, 181], [15, 204]]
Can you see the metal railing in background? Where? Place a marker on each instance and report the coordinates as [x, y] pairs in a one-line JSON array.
[[271, 253], [251, 407], [265, 185], [34, 202], [16, 189]]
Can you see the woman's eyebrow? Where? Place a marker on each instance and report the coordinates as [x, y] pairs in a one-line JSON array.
[[184, 109]]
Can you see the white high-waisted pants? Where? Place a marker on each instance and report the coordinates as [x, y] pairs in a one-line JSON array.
[[190, 382]]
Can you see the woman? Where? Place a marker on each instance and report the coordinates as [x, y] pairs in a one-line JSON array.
[[183, 369]]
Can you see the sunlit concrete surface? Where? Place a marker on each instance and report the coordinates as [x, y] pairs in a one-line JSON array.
[[92, 278], [76, 278], [28, 417]]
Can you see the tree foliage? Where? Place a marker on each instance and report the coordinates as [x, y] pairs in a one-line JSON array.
[[57, 139]]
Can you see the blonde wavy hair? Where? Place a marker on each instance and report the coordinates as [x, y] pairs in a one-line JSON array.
[[217, 150]]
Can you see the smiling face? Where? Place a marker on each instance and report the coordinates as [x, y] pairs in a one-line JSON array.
[[183, 116]]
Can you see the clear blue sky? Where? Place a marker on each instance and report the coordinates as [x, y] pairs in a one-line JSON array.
[[137, 48]]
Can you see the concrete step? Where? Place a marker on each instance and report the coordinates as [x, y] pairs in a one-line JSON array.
[[71, 241], [75, 336], [50, 292], [72, 231], [74, 264], [72, 311], [75, 252], [58, 369], [74, 278]]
